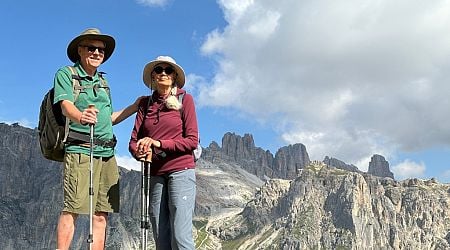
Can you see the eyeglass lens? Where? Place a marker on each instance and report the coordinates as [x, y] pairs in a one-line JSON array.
[[158, 70], [94, 48]]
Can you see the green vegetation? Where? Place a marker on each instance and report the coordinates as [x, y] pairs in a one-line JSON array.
[[202, 234], [200, 223], [314, 168], [265, 235], [234, 244]]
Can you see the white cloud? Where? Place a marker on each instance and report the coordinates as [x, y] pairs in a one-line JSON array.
[[347, 79], [408, 169], [194, 84], [128, 162], [235, 9], [157, 3]]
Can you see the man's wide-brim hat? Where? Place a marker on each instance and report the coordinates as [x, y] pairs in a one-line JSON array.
[[91, 34], [148, 69]]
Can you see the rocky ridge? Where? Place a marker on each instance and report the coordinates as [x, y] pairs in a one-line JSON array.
[[333, 162], [329, 208], [255, 160], [31, 195], [309, 205]]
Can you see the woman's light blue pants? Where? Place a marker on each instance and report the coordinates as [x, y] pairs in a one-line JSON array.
[[172, 201]]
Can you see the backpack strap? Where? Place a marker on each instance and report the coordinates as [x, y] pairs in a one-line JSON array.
[[149, 103], [77, 88], [180, 100], [104, 83], [76, 91]]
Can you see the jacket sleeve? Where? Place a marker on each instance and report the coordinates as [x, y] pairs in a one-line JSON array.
[[135, 135]]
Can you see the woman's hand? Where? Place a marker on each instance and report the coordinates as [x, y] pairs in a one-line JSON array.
[[145, 145]]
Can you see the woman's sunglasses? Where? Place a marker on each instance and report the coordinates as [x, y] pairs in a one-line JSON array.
[[158, 70]]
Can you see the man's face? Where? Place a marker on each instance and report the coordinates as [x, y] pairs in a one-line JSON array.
[[92, 53]]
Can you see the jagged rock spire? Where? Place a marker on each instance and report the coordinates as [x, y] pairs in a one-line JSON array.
[[378, 166]]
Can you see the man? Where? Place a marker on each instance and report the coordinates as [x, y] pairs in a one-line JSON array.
[[88, 51]]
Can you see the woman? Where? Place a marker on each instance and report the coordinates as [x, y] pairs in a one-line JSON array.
[[167, 126]]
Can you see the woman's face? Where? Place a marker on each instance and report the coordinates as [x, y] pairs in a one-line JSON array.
[[164, 75]]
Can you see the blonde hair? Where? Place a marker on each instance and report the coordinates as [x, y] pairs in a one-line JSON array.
[[172, 101]]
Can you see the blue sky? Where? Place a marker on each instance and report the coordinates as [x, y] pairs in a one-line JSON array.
[[348, 79]]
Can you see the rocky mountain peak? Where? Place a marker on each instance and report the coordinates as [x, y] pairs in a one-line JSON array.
[[289, 159], [333, 162], [242, 150], [378, 166], [238, 147]]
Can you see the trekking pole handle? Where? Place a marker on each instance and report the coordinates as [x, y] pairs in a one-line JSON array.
[[91, 106], [148, 157]]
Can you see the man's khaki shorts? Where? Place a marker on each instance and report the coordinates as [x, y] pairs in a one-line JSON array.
[[76, 184]]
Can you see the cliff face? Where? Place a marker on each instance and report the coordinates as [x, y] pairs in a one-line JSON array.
[[31, 196], [27, 184], [310, 205], [257, 161], [329, 208]]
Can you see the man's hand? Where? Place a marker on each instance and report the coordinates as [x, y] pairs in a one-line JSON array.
[[89, 116]]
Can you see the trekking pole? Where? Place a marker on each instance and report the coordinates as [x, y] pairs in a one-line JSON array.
[[90, 239], [145, 199]]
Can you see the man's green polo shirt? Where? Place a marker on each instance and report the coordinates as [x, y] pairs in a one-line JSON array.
[[98, 96]]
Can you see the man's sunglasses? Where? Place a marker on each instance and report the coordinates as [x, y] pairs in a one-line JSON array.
[[92, 49], [158, 70]]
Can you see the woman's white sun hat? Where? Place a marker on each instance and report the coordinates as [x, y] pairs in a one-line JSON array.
[[148, 69]]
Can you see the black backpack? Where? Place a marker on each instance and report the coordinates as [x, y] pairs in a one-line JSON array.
[[53, 126]]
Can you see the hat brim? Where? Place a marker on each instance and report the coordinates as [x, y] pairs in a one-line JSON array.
[[72, 49], [147, 77]]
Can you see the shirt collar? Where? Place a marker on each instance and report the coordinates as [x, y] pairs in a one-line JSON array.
[[82, 73]]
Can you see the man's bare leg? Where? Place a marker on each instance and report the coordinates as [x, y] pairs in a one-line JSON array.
[[99, 221], [65, 230]]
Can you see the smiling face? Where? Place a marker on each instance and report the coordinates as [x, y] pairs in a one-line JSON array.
[[163, 75], [92, 53]]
